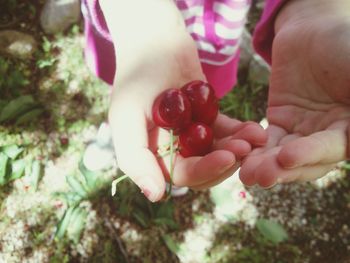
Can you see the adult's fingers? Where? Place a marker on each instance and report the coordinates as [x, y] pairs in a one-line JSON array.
[[269, 172], [305, 173], [249, 173], [251, 163], [130, 137], [328, 146]]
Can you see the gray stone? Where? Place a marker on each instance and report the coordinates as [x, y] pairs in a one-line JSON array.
[[96, 158], [246, 49], [259, 70], [17, 44], [58, 15]]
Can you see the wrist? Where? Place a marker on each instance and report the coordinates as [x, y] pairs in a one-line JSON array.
[[296, 11], [140, 18]]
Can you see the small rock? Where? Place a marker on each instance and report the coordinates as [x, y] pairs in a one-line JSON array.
[[246, 49], [104, 136], [97, 158], [17, 44], [259, 70], [58, 15]]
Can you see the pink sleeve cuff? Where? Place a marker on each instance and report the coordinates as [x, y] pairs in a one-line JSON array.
[[264, 31]]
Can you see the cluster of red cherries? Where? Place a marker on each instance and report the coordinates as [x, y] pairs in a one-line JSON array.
[[188, 112]]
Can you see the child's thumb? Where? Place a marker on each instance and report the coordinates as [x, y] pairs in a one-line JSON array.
[[130, 138]]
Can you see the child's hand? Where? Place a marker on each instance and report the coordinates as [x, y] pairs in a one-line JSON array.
[[154, 53], [309, 96], [233, 140]]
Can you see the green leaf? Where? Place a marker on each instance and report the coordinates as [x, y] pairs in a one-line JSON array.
[[35, 174], [12, 150], [141, 218], [77, 224], [73, 199], [171, 244], [165, 210], [60, 195], [70, 198], [64, 222], [3, 168], [16, 107], [29, 116], [167, 222], [89, 176], [76, 186], [2, 102], [47, 45], [272, 230], [18, 168]]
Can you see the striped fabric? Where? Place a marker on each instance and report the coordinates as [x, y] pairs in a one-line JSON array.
[[216, 26]]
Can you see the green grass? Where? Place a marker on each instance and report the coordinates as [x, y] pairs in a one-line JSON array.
[[245, 102]]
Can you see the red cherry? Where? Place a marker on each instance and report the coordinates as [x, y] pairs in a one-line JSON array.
[[172, 110], [204, 103], [64, 141], [196, 140]]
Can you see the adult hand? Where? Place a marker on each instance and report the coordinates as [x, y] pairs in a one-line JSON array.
[[154, 52], [309, 96]]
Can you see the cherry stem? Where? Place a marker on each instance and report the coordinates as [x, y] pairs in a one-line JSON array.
[[171, 161], [117, 181]]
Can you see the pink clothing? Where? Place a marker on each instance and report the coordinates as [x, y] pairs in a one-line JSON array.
[[215, 26], [264, 30], [99, 48]]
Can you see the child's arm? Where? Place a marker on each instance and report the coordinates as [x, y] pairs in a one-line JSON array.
[[154, 52]]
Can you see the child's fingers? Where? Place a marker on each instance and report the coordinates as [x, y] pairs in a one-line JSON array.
[[252, 132], [219, 180], [323, 147], [240, 148], [130, 137], [194, 171], [225, 126], [249, 131]]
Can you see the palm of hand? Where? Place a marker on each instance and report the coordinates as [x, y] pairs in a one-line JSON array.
[[309, 105]]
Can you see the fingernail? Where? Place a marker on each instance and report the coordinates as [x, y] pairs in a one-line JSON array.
[[151, 191]]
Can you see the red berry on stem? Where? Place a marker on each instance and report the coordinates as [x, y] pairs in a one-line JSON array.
[[204, 103], [172, 110], [196, 140]]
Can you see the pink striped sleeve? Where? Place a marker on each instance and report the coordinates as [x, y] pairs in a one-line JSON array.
[[264, 31], [216, 26]]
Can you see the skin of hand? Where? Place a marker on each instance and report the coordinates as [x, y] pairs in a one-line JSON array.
[[309, 95], [154, 53]]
